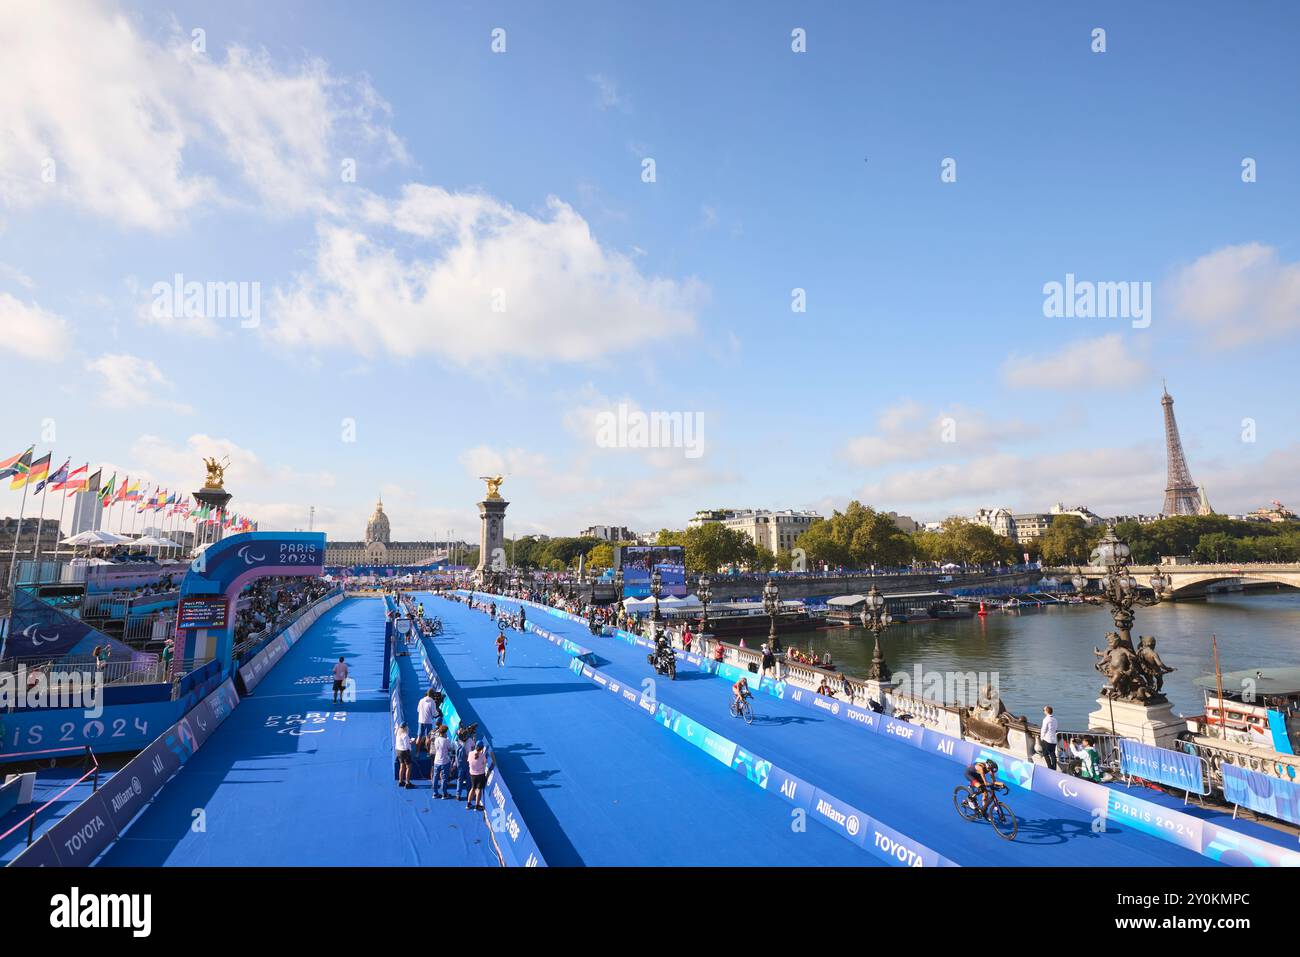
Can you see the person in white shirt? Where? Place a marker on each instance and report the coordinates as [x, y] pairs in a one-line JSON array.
[[403, 745], [428, 715], [1047, 737], [340, 679], [442, 752]]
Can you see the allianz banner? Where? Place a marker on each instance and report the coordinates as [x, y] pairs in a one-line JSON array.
[[1261, 793], [1174, 768]]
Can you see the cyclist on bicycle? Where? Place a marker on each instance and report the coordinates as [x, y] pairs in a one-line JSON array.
[[983, 778], [740, 691]]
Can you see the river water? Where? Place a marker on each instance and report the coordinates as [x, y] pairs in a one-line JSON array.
[[1045, 656]]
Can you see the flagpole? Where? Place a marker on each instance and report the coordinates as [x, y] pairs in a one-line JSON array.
[[13, 557], [63, 504], [40, 522]]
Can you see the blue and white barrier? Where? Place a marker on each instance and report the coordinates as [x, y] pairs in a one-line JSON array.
[[510, 835], [94, 824]]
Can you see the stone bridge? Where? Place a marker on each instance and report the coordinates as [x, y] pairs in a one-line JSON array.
[[727, 588], [1186, 581]]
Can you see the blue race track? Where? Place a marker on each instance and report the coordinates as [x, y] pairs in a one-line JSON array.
[[599, 784], [908, 789], [289, 778], [277, 791]]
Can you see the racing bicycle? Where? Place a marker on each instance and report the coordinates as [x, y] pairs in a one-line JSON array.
[[999, 815]]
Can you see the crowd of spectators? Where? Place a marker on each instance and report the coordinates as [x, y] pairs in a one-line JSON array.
[[271, 602]]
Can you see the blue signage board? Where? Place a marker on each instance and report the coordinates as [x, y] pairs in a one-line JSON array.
[[1174, 768], [791, 787], [1261, 793], [1161, 822], [899, 849]]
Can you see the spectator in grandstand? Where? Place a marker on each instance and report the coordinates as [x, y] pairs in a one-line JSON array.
[[403, 745], [477, 761], [442, 755], [340, 679]]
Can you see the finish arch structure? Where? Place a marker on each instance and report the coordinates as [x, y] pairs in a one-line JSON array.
[[205, 615]]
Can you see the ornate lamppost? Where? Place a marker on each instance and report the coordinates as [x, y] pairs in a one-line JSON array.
[[1132, 703], [876, 618], [656, 588], [1119, 588], [771, 605], [704, 593]]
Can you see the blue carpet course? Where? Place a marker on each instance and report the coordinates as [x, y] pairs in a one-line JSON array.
[[908, 789], [292, 779], [600, 784]]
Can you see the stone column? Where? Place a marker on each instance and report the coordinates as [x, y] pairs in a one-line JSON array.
[[492, 537]]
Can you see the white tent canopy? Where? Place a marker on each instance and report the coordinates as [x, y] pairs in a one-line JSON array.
[[95, 536]]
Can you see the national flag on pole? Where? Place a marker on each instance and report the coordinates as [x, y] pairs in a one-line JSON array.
[[131, 492], [26, 471], [75, 480], [77, 486], [8, 466], [20, 469], [106, 493], [55, 478]]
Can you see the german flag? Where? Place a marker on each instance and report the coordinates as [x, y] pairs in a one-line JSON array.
[[27, 472]]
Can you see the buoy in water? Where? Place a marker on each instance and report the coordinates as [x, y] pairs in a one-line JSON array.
[[983, 613]]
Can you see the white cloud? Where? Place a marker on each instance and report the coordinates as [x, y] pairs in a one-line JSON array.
[[30, 331], [907, 433], [492, 281], [127, 380], [607, 95], [140, 132], [1109, 480], [1105, 362], [1238, 294]]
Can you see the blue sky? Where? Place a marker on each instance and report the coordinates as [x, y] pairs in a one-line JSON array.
[[515, 178]]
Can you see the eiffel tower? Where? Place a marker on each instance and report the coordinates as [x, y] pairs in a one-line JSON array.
[[1182, 495]]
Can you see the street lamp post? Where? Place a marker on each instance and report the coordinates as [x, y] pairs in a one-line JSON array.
[[771, 604], [877, 618], [704, 593], [656, 588], [1119, 588]]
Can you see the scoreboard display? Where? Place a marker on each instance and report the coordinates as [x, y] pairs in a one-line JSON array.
[[204, 611]]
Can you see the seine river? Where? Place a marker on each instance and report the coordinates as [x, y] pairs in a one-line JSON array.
[[1045, 656]]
